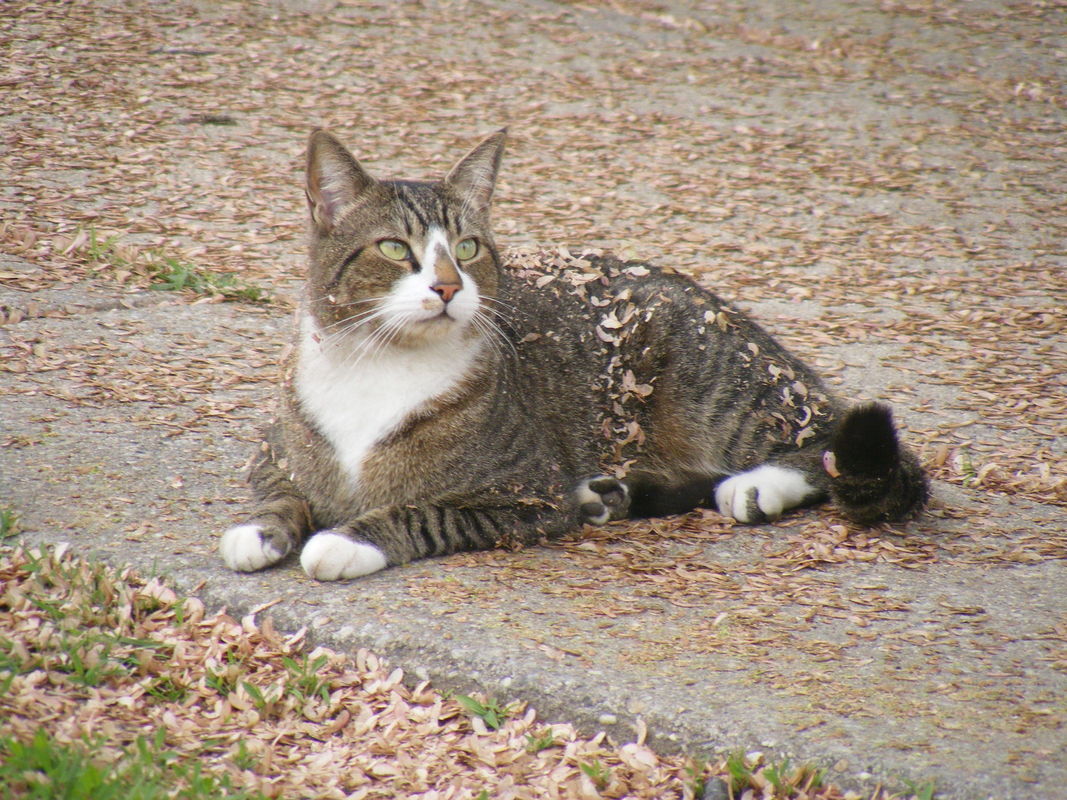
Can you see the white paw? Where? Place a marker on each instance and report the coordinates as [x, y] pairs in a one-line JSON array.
[[602, 498], [244, 549], [763, 492], [330, 556]]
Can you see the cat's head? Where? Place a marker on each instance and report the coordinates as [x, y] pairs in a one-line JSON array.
[[400, 262]]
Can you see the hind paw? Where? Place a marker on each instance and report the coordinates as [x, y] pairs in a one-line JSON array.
[[762, 493], [602, 498]]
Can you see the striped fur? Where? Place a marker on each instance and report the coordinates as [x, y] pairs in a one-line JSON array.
[[443, 399]]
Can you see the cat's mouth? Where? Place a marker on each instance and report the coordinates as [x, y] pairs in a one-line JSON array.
[[445, 315], [440, 318], [441, 324]]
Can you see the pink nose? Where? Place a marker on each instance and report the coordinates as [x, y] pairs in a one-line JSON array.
[[446, 290]]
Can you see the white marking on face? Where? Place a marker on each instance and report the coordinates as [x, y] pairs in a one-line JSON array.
[[436, 249], [412, 300]]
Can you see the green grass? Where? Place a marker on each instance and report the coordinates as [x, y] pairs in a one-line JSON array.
[[740, 772], [166, 690], [542, 741], [696, 770], [267, 701], [785, 781], [304, 681], [88, 641], [46, 769], [168, 273], [9, 522], [243, 759], [94, 628], [921, 791], [969, 472], [491, 712], [596, 772]]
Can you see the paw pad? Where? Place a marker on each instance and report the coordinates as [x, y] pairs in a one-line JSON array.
[[602, 498]]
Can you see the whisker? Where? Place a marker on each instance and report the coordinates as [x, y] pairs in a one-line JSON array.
[[350, 326], [387, 333], [358, 302], [486, 298], [362, 316], [494, 333], [362, 349], [487, 333], [502, 323]]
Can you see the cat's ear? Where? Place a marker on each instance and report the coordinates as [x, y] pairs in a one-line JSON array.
[[474, 177], [335, 180]]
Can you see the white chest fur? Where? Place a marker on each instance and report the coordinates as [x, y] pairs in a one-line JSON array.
[[356, 401]]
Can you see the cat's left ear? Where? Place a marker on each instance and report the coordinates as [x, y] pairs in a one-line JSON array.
[[474, 177]]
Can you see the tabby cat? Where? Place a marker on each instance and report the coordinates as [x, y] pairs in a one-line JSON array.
[[440, 398]]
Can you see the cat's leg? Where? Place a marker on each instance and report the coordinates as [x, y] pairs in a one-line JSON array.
[[757, 495], [603, 498], [280, 521], [655, 495], [860, 464], [397, 534]]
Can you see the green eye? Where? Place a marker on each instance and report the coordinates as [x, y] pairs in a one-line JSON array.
[[466, 250], [394, 249]]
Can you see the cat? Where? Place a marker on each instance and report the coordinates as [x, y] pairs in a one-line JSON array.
[[440, 398]]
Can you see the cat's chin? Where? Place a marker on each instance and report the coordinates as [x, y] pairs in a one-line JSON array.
[[431, 331]]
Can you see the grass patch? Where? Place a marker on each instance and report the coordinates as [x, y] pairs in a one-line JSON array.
[[9, 522], [491, 712], [921, 791], [778, 780], [542, 741], [597, 773], [47, 769], [304, 681], [161, 271], [160, 700], [697, 769]]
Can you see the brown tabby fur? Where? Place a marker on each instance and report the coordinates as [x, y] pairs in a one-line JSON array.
[[591, 366]]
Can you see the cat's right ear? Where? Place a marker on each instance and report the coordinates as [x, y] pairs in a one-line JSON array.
[[335, 180]]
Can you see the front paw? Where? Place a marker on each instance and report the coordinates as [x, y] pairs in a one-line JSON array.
[[251, 547], [602, 498], [331, 556]]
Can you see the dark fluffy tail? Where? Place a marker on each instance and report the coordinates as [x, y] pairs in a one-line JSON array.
[[874, 478]]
